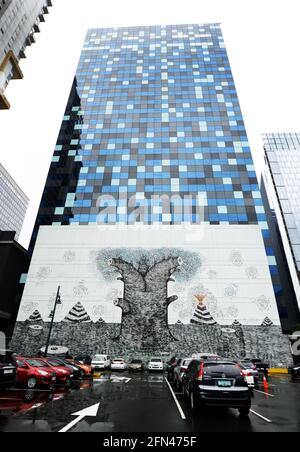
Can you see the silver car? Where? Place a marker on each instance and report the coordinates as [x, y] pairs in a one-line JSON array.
[[179, 371]]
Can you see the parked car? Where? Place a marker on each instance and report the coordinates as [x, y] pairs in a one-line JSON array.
[[83, 359], [86, 369], [156, 365], [261, 366], [216, 383], [171, 366], [294, 371], [61, 364], [33, 372], [250, 372], [118, 364], [136, 365], [8, 369], [64, 373], [101, 362], [179, 371], [206, 356]]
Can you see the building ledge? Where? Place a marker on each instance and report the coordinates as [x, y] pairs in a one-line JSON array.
[[17, 74]]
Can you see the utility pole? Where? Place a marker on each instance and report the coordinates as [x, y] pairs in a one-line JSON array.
[[52, 316]]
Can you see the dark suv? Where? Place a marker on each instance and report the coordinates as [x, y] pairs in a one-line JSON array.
[[216, 383], [8, 369]]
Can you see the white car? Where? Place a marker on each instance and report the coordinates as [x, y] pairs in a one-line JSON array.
[[101, 362], [156, 365], [118, 364]]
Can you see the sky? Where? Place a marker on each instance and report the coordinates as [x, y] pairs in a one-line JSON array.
[[262, 39]]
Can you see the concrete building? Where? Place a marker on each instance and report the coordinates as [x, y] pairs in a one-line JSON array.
[[19, 21]]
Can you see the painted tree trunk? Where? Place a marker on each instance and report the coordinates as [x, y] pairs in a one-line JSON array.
[[145, 303]]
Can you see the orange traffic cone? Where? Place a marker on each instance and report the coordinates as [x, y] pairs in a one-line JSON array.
[[266, 384]]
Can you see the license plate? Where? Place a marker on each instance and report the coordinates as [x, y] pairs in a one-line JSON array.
[[53, 378], [250, 380], [224, 384], [8, 372]]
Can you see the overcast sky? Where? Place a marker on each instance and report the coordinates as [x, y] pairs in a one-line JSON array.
[[262, 39]]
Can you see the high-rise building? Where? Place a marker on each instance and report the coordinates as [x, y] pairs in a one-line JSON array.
[[282, 152], [14, 262], [13, 203], [153, 133], [19, 21]]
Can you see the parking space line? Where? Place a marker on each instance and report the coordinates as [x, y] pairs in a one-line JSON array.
[[176, 401], [264, 393], [261, 417]]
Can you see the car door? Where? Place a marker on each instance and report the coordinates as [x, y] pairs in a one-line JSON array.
[[22, 371], [188, 377]]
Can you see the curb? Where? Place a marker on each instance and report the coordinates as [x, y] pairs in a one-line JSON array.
[[277, 371]]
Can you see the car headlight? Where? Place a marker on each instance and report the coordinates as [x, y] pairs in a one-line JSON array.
[[43, 373]]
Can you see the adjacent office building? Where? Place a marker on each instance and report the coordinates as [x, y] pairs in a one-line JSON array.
[[282, 152], [19, 21], [13, 204], [14, 262], [153, 134]]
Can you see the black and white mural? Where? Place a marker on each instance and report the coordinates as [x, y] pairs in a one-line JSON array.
[[152, 290]]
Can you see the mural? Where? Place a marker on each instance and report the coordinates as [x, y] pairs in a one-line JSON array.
[[152, 290]]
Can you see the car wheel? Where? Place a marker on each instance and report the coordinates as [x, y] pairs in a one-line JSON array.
[[31, 383], [244, 412]]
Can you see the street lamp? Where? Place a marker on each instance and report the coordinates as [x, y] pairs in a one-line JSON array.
[[52, 316]]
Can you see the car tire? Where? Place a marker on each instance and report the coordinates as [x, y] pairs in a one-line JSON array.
[[31, 383], [244, 412]]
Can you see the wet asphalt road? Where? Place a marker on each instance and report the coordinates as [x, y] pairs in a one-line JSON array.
[[145, 404]]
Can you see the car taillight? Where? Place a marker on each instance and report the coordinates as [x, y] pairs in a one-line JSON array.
[[201, 373]]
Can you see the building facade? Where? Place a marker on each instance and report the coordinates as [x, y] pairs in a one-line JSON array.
[[14, 262], [282, 152], [19, 21], [153, 134], [13, 204]]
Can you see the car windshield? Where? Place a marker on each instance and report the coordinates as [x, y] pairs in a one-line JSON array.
[[247, 365], [118, 360], [136, 361], [100, 358], [156, 360], [186, 362], [36, 363], [55, 363], [230, 370]]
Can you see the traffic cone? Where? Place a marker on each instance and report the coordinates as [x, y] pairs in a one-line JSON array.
[[266, 384]]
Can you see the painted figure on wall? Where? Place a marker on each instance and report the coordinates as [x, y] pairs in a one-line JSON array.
[[145, 302]]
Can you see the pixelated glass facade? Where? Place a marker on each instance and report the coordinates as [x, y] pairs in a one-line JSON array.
[[13, 204], [154, 111], [283, 155]]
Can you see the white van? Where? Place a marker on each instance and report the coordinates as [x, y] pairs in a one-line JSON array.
[[101, 362]]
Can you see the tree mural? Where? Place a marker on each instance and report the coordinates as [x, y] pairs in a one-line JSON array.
[[145, 302]]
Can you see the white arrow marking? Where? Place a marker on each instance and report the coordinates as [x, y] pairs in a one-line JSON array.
[[87, 412], [115, 379]]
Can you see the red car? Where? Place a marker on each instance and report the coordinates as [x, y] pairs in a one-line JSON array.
[[64, 375], [33, 372]]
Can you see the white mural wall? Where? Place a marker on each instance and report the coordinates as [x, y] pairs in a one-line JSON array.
[[225, 265]]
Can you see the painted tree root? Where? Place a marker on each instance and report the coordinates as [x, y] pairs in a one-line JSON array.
[[145, 303]]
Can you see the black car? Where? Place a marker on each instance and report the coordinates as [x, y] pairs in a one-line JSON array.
[[261, 366], [8, 369], [294, 371], [216, 383], [171, 367], [59, 362]]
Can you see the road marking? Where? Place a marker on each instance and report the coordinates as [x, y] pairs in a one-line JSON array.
[[87, 412], [116, 379], [176, 401], [261, 417], [264, 393]]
